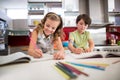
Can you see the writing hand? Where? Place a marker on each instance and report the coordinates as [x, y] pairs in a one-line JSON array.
[[36, 53], [87, 50], [78, 50], [59, 55], [39, 52]]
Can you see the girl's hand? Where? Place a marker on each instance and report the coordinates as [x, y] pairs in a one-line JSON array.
[[36, 53], [59, 55]]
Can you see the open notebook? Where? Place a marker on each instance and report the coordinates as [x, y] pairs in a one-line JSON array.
[[95, 55], [20, 57]]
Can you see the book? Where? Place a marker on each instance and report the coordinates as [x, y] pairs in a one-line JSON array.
[[95, 55], [20, 57]]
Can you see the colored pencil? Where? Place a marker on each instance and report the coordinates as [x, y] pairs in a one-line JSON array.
[[74, 69], [116, 62], [66, 72], [103, 65], [64, 67], [87, 66], [62, 73]]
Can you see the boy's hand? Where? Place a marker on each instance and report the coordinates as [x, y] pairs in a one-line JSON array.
[[78, 50], [88, 50]]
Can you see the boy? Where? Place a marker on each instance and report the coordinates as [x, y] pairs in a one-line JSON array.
[[80, 40]]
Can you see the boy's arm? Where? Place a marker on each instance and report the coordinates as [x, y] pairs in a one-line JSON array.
[[91, 44], [75, 50], [70, 46], [71, 42]]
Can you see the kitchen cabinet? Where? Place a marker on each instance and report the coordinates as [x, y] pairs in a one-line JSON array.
[[114, 17], [70, 18], [71, 11], [67, 10], [18, 38], [112, 33], [114, 11], [37, 9]]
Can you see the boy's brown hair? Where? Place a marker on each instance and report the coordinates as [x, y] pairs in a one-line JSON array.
[[85, 17]]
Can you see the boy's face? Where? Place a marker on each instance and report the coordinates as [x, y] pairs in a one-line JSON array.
[[50, 26], [81, 26]]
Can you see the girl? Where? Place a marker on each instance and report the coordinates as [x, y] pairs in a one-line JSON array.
[[45, 35]]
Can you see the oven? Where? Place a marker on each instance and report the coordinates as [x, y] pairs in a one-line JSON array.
[[107, 48]]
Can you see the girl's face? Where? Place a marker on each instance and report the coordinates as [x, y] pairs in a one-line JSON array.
[[50, 26], [81, 26]]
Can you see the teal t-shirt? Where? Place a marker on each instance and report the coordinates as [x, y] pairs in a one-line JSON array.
[[80, 40]]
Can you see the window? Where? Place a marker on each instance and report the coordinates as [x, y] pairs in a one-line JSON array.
[[17, 13]]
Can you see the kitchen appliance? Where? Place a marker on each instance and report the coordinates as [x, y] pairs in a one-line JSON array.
[[3, 38], [107, 48]]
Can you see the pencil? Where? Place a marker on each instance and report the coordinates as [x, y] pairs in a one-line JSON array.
[[74, 69], [87, 66], [77, 67], [66, 68], [116, 62], [66, 72], [96, 64], [62, 73]]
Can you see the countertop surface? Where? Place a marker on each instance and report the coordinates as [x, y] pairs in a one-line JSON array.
[[43, 70]]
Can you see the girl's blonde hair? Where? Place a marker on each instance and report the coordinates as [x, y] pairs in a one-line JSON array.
[[51, 16]]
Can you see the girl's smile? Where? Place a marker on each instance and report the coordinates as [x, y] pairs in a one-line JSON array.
[[50, 26]]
